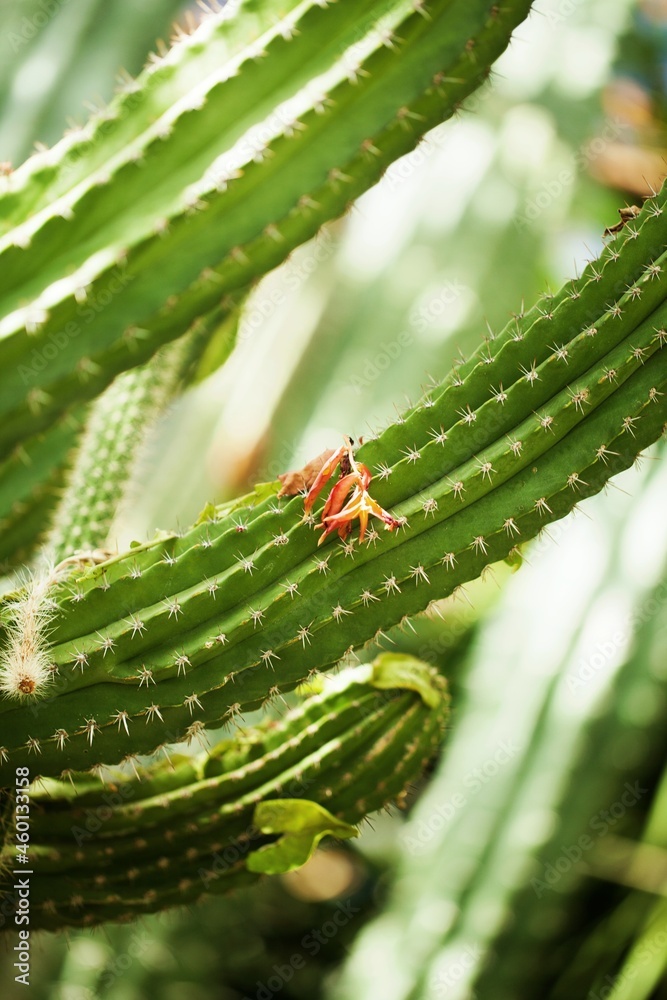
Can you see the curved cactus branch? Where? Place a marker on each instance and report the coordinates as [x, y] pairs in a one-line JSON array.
[[102, 850], [222, 170], [245, 601]]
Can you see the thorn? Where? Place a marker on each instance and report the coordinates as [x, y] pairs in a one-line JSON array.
[[541, 506], [121, 717], [304, 634], [146, 676], [181, 663], [91, 729], [530, 374], [458, 489], [419, 573], [439, 437], [151, 712], [468, 416], [256, 616], [136, 625], [190, 701], [628, 424], [60, 736]]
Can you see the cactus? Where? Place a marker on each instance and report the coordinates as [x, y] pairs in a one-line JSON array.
[[101, 849], [84, 44], [218, 172], [539, 418], [222, 171], [30, 481], [77, 455]]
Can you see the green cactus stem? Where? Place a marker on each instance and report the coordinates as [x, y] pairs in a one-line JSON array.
[[220, 171], [101, 847], [245, 601], [31, 480], [118, 422], [34, 477]]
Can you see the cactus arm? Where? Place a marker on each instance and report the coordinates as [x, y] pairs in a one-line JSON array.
[[244, 601], [104, 461], [352, 749], [110, 448], [212, 241], [48, 175], [30, 482]]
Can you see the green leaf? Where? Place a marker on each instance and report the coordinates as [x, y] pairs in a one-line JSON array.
[[398, 670], [302, 825]]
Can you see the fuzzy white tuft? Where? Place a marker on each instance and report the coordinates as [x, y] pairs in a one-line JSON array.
[[25, 666]]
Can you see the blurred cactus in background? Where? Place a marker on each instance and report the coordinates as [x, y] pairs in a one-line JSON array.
[[132, 318]]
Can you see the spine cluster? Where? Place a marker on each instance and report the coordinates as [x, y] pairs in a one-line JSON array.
[[25, 661]]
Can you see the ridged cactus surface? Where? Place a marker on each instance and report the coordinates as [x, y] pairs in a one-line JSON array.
[[257, 803], [126, 253], [206, 173], [246, 602]]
